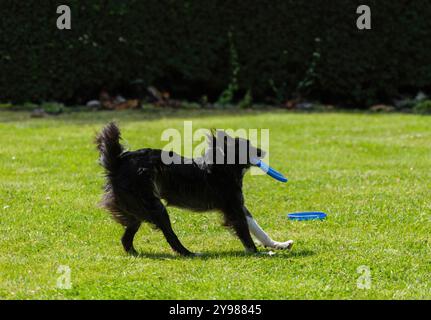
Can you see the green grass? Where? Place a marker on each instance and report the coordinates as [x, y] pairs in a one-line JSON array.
[[370, 173]]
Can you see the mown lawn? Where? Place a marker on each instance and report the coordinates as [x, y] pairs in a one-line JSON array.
[[370, 174]]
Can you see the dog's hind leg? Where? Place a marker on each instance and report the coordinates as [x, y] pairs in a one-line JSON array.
[[238, 222], [243, 233], [128, 236], [160, 217], [126, 219]]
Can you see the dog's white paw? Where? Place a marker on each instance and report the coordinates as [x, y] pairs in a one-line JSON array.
[[283, 245], [266, 253], [270, 253]]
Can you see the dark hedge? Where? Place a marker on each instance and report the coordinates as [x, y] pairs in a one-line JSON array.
[[283, 48]]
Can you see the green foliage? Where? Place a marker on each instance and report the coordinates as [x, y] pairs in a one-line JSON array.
[[52, 107], [182, 45], [5, 106], [228, 94], [27, 106], [309, 81], [280, 92], [423, 106], [247, 101]]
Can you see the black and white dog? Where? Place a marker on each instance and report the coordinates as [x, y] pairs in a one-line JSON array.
[[137, 182]]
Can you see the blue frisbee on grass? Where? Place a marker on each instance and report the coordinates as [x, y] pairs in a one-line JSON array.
[[298, 216], [269, 171], [302, 216]]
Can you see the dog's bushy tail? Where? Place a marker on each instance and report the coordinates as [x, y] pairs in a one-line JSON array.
[[108, 144]]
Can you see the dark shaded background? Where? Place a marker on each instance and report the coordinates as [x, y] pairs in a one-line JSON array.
[[281, 49]]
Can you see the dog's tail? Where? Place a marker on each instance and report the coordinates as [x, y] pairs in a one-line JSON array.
[[108, 144]]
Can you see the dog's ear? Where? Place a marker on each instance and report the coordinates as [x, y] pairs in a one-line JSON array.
[[211, 136]]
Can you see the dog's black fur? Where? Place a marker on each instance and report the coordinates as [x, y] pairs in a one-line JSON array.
[[137, 181]]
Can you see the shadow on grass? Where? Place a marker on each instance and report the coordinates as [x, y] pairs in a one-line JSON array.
[[229, 254]]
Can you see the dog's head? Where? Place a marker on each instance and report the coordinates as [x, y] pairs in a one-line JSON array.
[[224, 149]]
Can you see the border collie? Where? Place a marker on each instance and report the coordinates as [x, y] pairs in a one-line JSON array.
[[138, 181]]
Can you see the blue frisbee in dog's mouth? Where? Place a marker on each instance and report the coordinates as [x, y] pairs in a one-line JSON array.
[[302, 216], [269, 171]]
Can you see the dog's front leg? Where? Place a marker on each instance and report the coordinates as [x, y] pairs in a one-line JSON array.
[[263, 237], [237, 220]]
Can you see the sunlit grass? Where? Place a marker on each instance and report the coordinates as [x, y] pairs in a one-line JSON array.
[[370, 174]]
